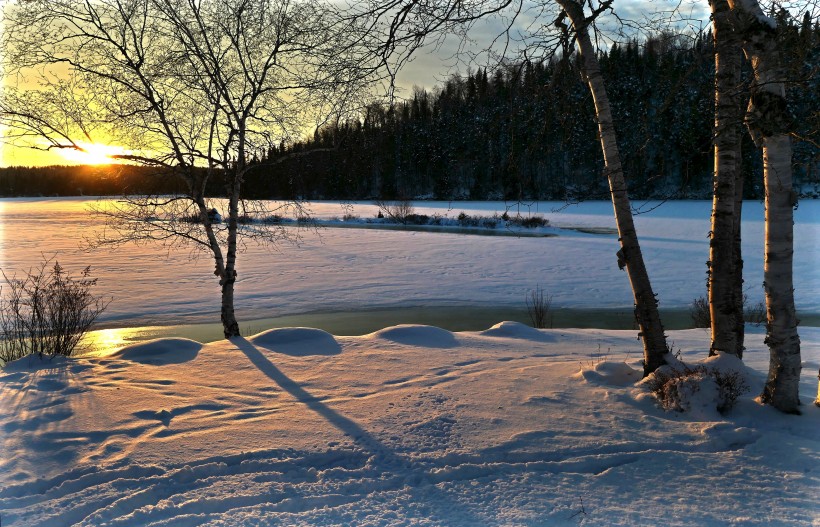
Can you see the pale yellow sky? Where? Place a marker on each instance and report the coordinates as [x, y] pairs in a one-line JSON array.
[[429, 67]]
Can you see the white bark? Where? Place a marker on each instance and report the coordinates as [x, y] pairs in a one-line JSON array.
[[767, 119], [630, 256], [725, 287]]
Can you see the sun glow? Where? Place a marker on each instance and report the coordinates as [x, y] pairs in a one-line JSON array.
[[93, 154]]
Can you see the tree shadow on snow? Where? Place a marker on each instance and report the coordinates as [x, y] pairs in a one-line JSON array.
[[384, 458]]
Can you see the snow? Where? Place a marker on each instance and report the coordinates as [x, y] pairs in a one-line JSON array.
[[345, 270], [409, 425], [160, 351]]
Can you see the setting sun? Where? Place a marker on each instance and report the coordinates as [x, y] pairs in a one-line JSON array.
[[93, 154]]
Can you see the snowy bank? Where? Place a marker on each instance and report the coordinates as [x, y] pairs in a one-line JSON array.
[[409, 425]]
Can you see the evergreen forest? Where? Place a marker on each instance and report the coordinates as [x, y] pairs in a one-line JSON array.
[[525, 130]]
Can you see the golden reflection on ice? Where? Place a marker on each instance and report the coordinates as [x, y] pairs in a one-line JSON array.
[[104, 342]]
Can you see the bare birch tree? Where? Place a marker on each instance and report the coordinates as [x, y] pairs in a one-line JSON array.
[[414, 21], [191, 87], [725, 260], [768, 122], [630, 256]]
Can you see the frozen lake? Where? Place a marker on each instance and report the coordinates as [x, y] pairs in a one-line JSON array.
[[358, 270]]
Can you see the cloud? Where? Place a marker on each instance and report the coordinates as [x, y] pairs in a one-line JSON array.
[[635, 19]]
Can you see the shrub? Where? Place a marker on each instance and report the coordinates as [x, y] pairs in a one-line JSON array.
[[533, 222], [755, 314], [676, 387], [46, 312], [489, 223], [396, 211], [416, 219], [538, 307], [213, 215], [530, 222], [465, 220], [699, 312], [701, 317]]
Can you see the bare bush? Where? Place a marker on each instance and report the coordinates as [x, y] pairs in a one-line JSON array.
[[399, 211], [674, 388], [755, 314], [699, 311], [528, 222], [538, 307], [46, 312], [701, 318]]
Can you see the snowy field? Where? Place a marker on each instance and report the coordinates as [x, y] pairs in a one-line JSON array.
[[355, 269], [410, 425]]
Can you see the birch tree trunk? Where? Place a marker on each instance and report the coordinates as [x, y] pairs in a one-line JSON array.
[[768, 122], [737, 256], [227, 281], [725, 278], [629, 256]]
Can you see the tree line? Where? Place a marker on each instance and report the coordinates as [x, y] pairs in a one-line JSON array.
[[526, 130]]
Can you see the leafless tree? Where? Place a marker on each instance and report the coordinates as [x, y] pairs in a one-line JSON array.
[[414, 21], [725, 260], [630, 256], [191, 87], [403, 27], [768, 121]]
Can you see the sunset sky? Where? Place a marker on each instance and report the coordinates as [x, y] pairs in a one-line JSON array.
[[429, 67]]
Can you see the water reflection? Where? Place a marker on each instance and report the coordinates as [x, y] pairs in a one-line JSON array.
[[103, 342]]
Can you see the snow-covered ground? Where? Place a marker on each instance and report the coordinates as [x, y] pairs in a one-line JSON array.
[[353, 269], [410, 425]]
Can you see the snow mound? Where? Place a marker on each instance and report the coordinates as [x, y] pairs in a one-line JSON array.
[[417, 335], [36, 362], [516, 330], [160, 351], [611, 373], [727, 362], [298, 341]]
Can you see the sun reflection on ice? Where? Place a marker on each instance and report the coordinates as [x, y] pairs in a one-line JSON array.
[[104, 342]]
